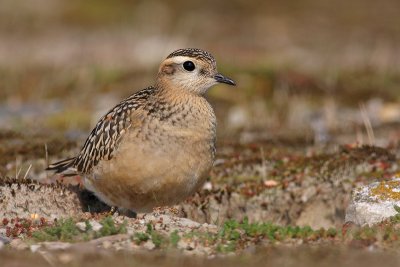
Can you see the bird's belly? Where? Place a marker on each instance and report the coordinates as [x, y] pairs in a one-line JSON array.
[[142, 176]]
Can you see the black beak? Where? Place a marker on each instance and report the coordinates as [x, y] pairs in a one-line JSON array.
[[222, 79]]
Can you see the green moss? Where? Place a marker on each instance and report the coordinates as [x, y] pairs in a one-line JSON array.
[[110, 228], [139, 237], [232, 236], [63, 230], [227, 247], [67, 231], [174, 238], [157, 239], [331, 232], [235, 235]]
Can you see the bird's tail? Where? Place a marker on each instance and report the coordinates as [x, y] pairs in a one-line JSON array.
[[66, 167]]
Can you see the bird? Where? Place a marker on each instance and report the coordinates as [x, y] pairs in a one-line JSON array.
[[156, 147]]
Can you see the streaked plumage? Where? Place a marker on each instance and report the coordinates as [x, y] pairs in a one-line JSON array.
[[157, 146]]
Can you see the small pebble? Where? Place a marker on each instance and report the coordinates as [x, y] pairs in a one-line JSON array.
[[96, 226], [308, 193], [56, 245], [65, 258], [107, 244], [81, 226], [270, 183], [5, 240], [207, 186], [149, 245], [18, 244], [34, 248]]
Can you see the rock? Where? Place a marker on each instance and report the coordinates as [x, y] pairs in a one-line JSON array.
[[27, 198], [4, 240], [207, 186], [65, 258], [270, 183], [111, 238], [186, 223], [182, 244], [317, 215], [34, 248], [186, 245], [107, 244], [374, 203], [18, 244], [56, 245], [81, 226], [149, 245], [96, 226], [308, 193]]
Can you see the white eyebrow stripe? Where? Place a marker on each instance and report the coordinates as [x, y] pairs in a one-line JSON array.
[[180, 59]]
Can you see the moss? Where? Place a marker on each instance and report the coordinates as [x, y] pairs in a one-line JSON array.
[[157, 238], [110, 228], [227, 247], [174, 238], [234, 235], [331, 232], [63, 230], [139, 237], [67, 231]]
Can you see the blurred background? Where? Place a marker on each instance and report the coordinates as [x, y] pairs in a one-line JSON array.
[[311, 71]]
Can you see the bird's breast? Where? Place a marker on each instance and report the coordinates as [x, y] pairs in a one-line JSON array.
[[178, 127], [168, 157]]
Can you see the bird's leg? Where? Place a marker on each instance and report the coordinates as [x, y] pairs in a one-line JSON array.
[[127, 213], [112, 211], [121, 212]]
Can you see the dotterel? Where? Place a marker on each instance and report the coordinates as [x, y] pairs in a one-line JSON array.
[[157, 146]]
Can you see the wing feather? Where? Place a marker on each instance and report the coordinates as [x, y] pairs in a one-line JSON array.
[[103, 141]]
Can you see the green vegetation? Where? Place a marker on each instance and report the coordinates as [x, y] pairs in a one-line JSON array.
[[63, 230], [150, 234], [174, 238], [67, 231], [110, 228], [232, 236]]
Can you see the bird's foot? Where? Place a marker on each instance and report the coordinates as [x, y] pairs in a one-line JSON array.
[[112, 211], [115, 211]]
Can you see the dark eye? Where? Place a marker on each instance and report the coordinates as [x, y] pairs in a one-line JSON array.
[[189, 65]]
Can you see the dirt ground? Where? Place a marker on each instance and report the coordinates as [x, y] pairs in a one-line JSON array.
[[271, 257], [274, 194]]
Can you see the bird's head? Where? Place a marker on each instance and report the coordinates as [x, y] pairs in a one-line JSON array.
[[190, 69]]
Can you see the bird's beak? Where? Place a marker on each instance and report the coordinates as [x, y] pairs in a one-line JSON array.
[[222, 79]]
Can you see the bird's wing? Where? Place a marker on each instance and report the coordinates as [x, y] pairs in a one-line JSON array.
[[103, 141]]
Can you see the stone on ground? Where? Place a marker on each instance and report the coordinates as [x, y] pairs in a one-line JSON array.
[[374, 203]]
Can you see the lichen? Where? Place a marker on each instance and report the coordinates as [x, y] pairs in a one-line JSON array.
[[387, 190]]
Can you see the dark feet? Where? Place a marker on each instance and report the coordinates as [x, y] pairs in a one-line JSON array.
[[128, 213]]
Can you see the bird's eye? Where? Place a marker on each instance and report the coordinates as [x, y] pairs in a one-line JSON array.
[[189, 65]]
